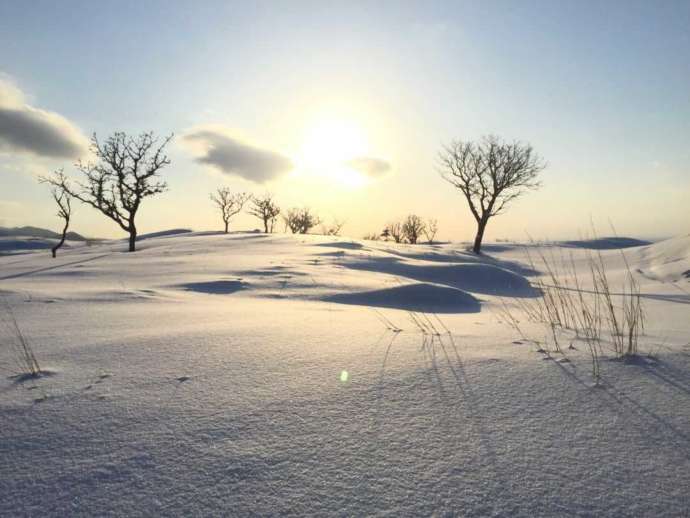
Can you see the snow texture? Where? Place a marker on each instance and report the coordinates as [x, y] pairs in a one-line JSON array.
[[203, 376]]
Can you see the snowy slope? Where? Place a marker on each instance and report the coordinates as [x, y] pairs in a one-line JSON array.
[[211, 375], [667, 260], [10, 245]]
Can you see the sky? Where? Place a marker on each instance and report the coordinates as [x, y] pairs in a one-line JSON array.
[[344, 106]]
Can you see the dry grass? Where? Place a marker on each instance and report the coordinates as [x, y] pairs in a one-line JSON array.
[[599, 317], [19, 346]]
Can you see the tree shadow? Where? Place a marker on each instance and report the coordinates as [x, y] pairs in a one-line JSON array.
[[54, 267], [619, 401]]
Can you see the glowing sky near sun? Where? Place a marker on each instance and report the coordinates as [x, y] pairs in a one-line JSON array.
[[344, 107]]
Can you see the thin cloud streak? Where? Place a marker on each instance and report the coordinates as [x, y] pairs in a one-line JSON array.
[[370, 166]]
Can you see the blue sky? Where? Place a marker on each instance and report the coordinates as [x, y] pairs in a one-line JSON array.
[[600, 89]]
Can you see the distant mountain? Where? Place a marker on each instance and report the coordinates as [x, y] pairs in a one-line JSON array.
[[38, 232]]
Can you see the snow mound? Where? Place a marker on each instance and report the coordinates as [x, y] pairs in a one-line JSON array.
[[421, 297], [166, 233], [667, 260], [473, 277]]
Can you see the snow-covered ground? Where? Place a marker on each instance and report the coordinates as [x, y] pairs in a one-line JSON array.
[[217, 375]]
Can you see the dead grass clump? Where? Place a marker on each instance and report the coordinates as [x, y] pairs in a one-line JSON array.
[[19, 345], [598, 316]]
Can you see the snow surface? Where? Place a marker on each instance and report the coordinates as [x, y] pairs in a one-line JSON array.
[[247, 374]]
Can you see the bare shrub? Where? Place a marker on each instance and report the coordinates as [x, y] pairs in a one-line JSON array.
[[266, 210], [430, 230], [301, 221], [334, 229], [412, 228], [395, 231]]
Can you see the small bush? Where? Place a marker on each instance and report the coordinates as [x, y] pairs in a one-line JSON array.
[[301, 221], [430, 230], [395, 231], [412, 228], [334, 229]]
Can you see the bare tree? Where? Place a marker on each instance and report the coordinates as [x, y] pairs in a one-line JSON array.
[[127, 171], [229, 203], [395, 231], [490, 174], [291, 221], [266, 210], [430, 229], [64, 202], [301, 221], [412, 228], [333, 229]]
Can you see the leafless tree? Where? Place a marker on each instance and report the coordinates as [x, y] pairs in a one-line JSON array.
[[126, 171], [229, 203], [430, 229], [291, 221], [301, 221], [333, 229], [64, 202], [412, 228], [395, 231], [266, 210], [490, 174]]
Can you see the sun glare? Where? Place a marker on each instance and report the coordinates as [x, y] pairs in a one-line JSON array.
[[329, 145]]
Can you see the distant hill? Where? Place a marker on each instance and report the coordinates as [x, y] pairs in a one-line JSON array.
[[166, 233], [38, 232], [607, 243]]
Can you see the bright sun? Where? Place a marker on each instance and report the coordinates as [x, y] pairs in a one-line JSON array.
[[329, 145]]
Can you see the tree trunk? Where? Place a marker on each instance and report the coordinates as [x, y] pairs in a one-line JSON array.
[[226, 226], [481, 226], [132, 239], [265, 226], [62, 240]]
